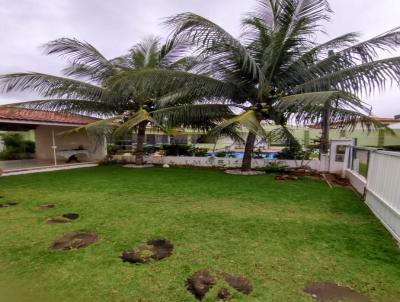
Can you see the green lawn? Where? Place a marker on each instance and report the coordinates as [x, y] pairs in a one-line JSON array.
[[281, 235]]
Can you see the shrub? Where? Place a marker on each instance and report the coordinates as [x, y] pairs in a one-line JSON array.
[[200, 151], [293, 151], [183, 150], [16, 147], [177, 150], [275, 167], [112, 149], [151, 150], [230, 154]]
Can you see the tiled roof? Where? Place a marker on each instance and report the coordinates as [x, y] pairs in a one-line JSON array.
[[33, 115]]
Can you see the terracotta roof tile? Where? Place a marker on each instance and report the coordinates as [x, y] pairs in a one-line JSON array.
[[33, 115]]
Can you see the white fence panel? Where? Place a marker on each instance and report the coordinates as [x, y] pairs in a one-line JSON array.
[[383, 189]]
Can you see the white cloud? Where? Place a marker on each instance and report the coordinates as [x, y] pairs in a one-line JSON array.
[[114, 26]]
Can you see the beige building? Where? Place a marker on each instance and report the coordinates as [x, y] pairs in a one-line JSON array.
[[47, 126]]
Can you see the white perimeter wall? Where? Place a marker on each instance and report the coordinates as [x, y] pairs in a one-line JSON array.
[[219, 162], [383, 189]]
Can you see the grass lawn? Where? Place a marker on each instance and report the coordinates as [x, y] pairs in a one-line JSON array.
[[281, 235]]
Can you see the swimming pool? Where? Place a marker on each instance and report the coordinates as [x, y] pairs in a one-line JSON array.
[[266, 155]]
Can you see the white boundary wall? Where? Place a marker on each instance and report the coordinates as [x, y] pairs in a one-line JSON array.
[[358, 181], [383, 189], [219, 161]]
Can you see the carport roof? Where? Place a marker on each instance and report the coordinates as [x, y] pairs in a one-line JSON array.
[[21, 115]]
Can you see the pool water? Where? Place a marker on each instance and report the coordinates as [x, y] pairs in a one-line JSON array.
[[266, 155]]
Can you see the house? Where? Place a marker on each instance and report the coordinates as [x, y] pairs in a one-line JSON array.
[[47, 126]]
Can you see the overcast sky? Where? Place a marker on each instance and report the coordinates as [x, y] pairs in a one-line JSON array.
[[114, 26]]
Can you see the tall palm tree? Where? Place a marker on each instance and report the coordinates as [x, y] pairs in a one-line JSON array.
[[276, 72], [90, 86]]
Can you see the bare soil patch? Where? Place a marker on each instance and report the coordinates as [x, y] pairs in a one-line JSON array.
[[74, 241], [71, 216], [240, 172], [286, 177], [153, 250], [46, 206], [8, 204], [202, 281], [241, 284], [57, 220], [331, 292], [224, 294]]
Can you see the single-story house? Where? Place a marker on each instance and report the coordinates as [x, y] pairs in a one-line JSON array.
[[47, 126]]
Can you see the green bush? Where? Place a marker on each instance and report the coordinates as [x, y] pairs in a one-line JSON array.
[[293, 151], [183, 150], [200, 151], [229, 154], [148, 150], [16, 147], [275, 167], [177, 150]]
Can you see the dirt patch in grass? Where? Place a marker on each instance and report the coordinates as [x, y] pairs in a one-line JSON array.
[[57, 220], [202, 281], [74, 241], [71, 216], [8, 204], [331, 292], [286, 177], [153, 250], [224, 294], [63, 219], [46, 206], [241, 284]]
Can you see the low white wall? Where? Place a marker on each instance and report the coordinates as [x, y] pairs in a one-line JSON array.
[[358, 181], [218, 161], [383, 189]]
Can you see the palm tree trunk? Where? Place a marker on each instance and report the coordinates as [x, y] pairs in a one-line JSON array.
[[141, 135], [248, 151], [324, 146]]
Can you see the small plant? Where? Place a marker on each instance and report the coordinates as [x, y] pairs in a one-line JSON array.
[[112, 149], [112, 162], [177, 150], [148, 150], [275, 167], [199, 152], [16, 147], [229, 154]]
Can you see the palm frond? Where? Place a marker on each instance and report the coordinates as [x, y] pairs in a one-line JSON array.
[[98, 130], [216, 43], [364, 78], [195, 116], [74, 106], [248, 120], [134, 120], [159, 82], [85, 59], [50, 86]]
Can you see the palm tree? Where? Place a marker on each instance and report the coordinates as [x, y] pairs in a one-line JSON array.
[[276, 73], [90, 86]]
